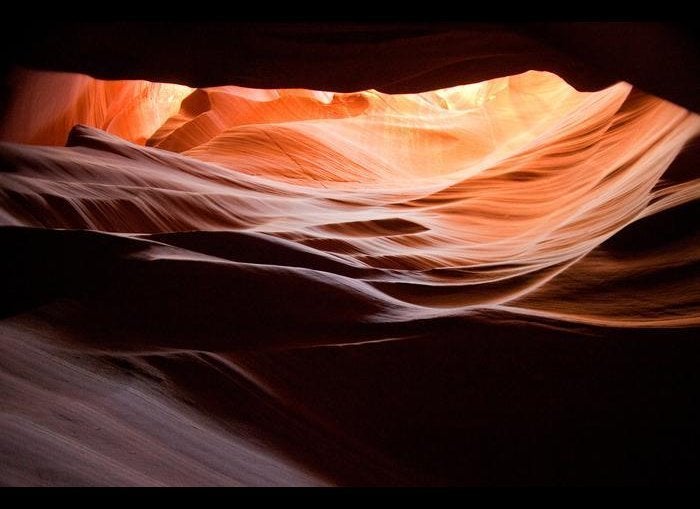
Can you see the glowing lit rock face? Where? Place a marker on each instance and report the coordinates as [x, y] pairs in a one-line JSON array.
[[477, 195], [47, 105]]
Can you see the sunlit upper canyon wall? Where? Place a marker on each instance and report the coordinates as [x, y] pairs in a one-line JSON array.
[[156, 230], [473, 195]]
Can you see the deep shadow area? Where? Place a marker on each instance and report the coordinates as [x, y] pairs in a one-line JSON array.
[[513, 405], [398, 57]]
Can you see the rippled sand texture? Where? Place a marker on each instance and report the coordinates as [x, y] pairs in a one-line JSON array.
[[178, 281]]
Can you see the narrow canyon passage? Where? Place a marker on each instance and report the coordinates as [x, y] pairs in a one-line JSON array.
[[488, 283]]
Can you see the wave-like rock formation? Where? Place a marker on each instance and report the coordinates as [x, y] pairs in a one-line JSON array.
[[490, 283]]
